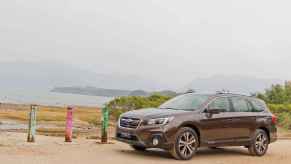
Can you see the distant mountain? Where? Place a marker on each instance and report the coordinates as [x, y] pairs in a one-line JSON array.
[[46, 75], [92, 91], [138, 93], [235, 84]]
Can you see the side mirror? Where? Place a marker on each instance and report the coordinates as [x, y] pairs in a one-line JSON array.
[[213, 111]]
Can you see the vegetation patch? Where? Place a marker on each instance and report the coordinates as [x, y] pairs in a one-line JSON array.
[[48, 114], [123, 104], [278, 98], [283, 112]]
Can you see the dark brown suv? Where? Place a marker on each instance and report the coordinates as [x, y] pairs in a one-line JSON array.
[[189, 121]]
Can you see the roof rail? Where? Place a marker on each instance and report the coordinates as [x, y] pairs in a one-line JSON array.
[[223, 92], [228, 92]]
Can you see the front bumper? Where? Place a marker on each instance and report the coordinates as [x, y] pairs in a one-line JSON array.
[[143, 136]]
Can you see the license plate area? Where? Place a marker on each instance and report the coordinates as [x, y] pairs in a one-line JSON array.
[[127, 136]]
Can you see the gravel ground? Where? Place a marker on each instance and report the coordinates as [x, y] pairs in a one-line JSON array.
[[52, 150]]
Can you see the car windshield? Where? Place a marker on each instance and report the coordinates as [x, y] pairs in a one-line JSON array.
[[185, 102]]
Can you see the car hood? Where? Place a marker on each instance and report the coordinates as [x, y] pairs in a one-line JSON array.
[[153, 113]]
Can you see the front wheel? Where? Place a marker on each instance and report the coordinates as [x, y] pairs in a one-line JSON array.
[[260, 143], [186, 144]]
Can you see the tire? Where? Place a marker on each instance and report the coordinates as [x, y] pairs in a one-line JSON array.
[[138, 148], [260, 143], [186, 144]]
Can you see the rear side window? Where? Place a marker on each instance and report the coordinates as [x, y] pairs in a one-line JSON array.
[[221, 103], [258, 105], [240, 104]]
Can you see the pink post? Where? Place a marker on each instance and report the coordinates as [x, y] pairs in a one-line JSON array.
[[69, 125]]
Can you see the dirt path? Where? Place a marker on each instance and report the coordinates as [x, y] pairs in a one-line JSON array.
[[52, 150]]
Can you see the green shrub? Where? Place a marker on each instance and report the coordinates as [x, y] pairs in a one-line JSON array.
[[115, 113], [278, 97], [279, 108], [283, 113], [277, 94], [123, 104], [284, 120]]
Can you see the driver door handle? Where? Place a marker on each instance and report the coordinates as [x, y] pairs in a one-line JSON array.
[[229, 119]]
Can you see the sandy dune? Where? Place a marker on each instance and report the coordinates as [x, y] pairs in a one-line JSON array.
[[52, 150]]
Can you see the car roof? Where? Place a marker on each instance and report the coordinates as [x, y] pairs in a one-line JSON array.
[[217, 93], [214, 95]]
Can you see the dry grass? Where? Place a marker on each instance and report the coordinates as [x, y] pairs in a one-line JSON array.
[[52, 120], [50, 114]]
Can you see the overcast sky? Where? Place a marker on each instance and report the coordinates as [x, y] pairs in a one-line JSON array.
[[170, 40]]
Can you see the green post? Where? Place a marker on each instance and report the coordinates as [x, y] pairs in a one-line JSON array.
[[32, 124], [105, 122]]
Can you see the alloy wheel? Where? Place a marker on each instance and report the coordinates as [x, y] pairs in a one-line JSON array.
[[187, 144], [261, 143]]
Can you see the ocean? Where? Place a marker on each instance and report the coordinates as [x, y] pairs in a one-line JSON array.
[[45, 97]]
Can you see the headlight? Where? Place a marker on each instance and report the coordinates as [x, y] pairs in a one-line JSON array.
[[159, 121]]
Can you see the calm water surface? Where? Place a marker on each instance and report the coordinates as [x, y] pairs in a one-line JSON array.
[[45, 97]]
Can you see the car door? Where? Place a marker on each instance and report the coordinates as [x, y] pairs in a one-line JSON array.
[[243, 119], [216, 127]]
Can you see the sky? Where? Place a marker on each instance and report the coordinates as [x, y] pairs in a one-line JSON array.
[[168, 40]]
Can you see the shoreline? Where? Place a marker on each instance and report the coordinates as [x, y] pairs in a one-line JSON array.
[[47, 98], [7, 104], [51, 120]]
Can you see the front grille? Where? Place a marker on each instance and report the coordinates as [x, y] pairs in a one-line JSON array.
[[126, 122]]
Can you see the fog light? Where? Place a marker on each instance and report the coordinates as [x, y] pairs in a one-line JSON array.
[[155, 141]]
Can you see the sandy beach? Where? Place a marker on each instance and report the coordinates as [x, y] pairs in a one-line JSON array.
[[53, 150]]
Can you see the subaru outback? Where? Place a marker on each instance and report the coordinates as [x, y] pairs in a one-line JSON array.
[[191, 121]]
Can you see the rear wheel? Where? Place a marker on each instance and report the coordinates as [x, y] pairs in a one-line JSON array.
[[186, 144], [138, 148], [260, 143]]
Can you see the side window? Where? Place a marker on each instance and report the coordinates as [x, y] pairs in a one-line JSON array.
[[240, 105], [258, 105], [220, 103]]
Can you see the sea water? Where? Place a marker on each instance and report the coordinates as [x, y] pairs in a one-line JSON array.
[[45, 97]]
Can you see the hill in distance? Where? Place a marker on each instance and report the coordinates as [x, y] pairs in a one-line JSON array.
[[234, 84], [92, 91], [61, 77], [47, 75]]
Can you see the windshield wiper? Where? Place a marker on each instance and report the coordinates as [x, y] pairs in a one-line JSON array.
[[178, 109], [170, 108]]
